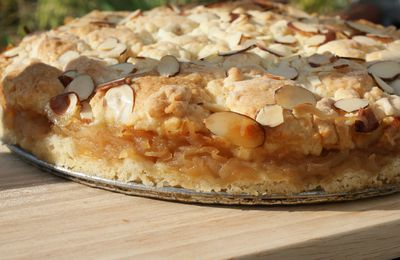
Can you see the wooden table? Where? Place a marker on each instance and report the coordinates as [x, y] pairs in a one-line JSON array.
[[43, 216]]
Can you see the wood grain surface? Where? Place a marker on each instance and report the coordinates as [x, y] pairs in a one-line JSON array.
[[43, 216]]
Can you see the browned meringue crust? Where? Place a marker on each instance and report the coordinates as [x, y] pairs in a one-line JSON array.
[[198, 124]]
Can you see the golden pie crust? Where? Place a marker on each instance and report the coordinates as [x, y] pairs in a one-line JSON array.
[[244, 97]]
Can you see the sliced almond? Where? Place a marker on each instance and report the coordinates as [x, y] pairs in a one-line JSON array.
[[234, 39], [304, 28], [382, 84], [279, 50], [64, 103], [114, 83], [108, 44], [249, 45], [144, 64], [62, 108], [285, 39], [119, 102], [351, 104], [168, 66], [396, 86], [364, 40], [320, 39], [67, 77], [118, 50], [341, 64], [316, 40], [284, 70], [270, 115], [13, 52], [367, 121], [361, 27], [82, 85], [386, 54], [238, 129], [289, 96], [380, 37], [123, 69], [68, 56], [317, 60], [71, 73], [386, 70]]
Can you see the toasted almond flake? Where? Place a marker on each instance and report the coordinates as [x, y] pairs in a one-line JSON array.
[[316, 40], [82, 85], [108, 44], [119, 103], [68, 56], [367, 121], [380, 37], [111, 61], [382, 55], [278, 28], [382, 84], [114, 83], [234, 40], [347, 34], [123, 69], [342, 48], [386, 70], [118, 50], [144, 64], [249, 45], [285, 39], [13, 52], [168, 66], [63, 104], [71, 73], [284, 70], [270, 115], [289, 96], [362, 27], [67, 77], [394, 46], [236, 128], [307, 29], [364, 40], [279, 50], [396, 86], [341, 63], [351, 104], [317, 60]]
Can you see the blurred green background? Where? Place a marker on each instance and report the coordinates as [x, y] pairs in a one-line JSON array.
[[17, 17]]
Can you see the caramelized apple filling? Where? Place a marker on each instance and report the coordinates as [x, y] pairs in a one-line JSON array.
[[202, 157]]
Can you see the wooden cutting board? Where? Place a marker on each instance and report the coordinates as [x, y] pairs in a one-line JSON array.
[[43, 216]]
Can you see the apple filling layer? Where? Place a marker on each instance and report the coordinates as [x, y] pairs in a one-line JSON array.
[[196, 158]]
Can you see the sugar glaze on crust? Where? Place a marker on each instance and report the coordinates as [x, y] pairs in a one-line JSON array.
[[245, 97]]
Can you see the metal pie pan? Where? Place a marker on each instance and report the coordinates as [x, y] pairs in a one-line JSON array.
[[192, 196]]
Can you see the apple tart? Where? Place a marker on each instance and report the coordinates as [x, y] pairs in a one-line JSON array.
[[244, 97]]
